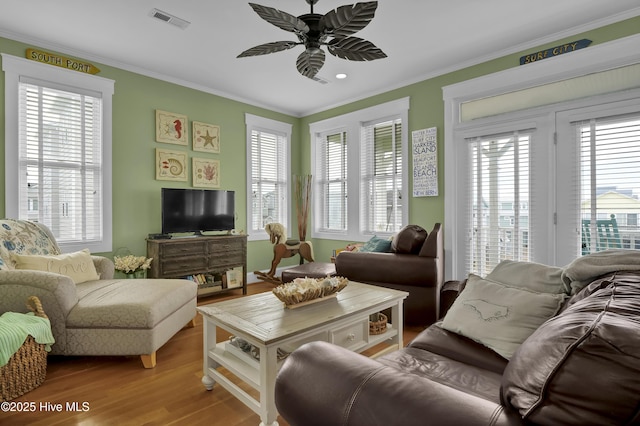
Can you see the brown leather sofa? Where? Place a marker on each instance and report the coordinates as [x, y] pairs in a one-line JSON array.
[[581, 367], [415, 265]]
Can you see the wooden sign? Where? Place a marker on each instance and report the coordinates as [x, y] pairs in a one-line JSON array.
[[555, 51], [61, 61]]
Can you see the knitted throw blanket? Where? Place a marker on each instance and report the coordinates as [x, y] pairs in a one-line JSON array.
[[16, 327]]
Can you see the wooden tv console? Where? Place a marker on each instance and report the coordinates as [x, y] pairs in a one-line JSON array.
[[182, 257]]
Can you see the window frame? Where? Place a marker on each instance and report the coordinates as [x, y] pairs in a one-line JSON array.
[[267, 125], [16, 68], [352, 123]]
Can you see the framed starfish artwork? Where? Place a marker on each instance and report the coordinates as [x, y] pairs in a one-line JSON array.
[[206, 137], [171, 128]]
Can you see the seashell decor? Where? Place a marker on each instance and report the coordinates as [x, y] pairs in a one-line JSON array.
[[306, 289]]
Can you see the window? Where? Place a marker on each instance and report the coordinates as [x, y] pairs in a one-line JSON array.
[[59, 169], [499, 184], [603, 190], [332, 183], [268, 165], [381, 174], [360, 174]]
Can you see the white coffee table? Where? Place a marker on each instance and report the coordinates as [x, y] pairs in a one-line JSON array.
[[263, 321]]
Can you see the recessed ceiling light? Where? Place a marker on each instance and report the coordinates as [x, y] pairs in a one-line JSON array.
[[341, 76]]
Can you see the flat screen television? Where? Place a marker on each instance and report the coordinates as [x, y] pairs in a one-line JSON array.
[[196, 210]]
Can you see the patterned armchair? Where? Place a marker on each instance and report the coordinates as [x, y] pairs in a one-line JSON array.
[[91, 313]]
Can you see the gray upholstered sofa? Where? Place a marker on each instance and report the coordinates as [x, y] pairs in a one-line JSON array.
[[91, 313]]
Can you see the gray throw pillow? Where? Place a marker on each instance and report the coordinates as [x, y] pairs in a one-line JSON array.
[[499, 316]]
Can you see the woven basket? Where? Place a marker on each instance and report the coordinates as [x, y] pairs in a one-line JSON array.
[[27, 368], [379, 326]]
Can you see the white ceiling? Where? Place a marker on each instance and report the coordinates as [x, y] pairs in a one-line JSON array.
[[421, 38]]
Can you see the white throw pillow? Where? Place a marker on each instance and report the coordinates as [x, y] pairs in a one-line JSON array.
[[499, 316], [78, 266]]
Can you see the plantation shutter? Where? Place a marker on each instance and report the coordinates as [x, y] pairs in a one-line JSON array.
[[268, 179], [60, 160], [499, 200], [381, 204], [608, 182], [332, 181]]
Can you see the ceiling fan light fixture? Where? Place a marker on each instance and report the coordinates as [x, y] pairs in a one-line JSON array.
[[313, 30]]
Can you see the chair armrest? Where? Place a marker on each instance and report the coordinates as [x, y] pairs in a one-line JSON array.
[[349, 388], [448, 294], [104, 267], [393, 268], [56, 292]]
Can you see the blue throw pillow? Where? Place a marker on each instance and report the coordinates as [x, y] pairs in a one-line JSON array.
[[376, 244]]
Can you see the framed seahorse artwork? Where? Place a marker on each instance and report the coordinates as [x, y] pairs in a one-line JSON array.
[[206, 137], [171, 165], [171, 128], [206, 173]]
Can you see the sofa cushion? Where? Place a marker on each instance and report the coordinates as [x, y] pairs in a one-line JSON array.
[[583, 366], [138, 303], [376, 244], [409, 240], [78, 266], [439, 341], [530, 275], [464, 377], [498, 316]]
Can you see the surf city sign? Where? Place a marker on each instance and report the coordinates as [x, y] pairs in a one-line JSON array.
[[554, 51], [61, 61]]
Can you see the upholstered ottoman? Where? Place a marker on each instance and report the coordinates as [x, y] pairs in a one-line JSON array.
[[309, 270], [129, 316]]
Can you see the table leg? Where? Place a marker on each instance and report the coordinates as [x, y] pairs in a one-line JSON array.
[[397, 321], [268, 372], [209, 341]]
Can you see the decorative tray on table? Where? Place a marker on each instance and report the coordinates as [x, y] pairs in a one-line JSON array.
[[305, 291]]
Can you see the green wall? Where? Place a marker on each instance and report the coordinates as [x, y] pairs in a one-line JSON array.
[[427, 110], [136, 193]]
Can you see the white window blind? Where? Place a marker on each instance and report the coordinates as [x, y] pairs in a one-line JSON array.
[[60, 161], [332, 181], [268, 166], [499, 201], [268, 186], [381, 177], [609, 183]]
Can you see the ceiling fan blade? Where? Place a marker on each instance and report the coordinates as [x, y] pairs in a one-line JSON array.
[[355, 49], [310, 61], [280, 19], [273, 47], [348, 19]]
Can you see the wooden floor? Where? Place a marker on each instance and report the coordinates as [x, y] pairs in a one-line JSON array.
[[119, 391]]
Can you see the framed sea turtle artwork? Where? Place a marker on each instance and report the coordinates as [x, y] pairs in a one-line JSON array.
[[171, 128], [171, 165], [206, 137]]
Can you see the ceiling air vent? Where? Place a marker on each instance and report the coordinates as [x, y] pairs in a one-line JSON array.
[[169, 18], [319, 79]]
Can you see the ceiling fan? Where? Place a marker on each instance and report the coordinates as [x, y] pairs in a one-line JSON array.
[[315, 30]]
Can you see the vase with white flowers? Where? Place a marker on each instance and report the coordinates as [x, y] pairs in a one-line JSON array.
[[132, 266]]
